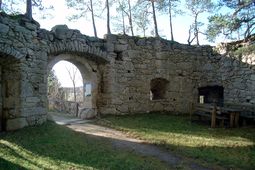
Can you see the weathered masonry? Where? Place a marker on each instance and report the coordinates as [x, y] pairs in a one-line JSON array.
[[127, 74]]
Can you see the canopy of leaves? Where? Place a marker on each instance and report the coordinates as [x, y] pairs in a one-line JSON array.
[[199, 6], [15, 7], [239, 22], [53, 85], [83, 8]]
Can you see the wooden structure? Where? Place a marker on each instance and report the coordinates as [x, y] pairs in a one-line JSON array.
[[211, 111], [215, 112], [247, 111]]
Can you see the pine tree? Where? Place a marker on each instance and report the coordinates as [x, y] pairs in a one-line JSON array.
[[144, 5], [197, 7], [238, 22], [83, 7]]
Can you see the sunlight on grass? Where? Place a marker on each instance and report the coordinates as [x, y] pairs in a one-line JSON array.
[[230, 148], [52, 146], [194, 140], [18, 155]]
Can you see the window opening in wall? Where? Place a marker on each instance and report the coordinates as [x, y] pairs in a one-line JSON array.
[[119, 56], [158, 87], [87, 90], [211, 94], [201, 99]]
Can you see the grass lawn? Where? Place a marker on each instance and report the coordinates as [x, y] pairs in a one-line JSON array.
[[229, 148], [52, 146]]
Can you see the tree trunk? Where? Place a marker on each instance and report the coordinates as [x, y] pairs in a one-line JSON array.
[[154, 18], [123, 22], [93, 18], [108, 17], [29, 10], [170, 19], [74, 91], [189, 38], [130, 18], [196, 29], [189, 41]]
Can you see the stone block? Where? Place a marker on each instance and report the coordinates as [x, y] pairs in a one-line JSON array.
[[123, 41], [4, 29], [30, 26], [14, 124], [87, 113], [32, 99], [60, 31], [109, 47], [253, 77], [110, 37], [122, 108], [157, 106], [36, 119], [120, 47]]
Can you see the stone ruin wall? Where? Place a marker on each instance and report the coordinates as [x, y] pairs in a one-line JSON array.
[[120, 69], [237, 78], [136, 61], [23, 62]]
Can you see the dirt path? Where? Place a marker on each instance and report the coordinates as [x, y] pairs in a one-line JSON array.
[[121, 141]]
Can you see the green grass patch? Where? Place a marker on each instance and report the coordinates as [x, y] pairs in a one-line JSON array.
[[229, 148], [52, 146]]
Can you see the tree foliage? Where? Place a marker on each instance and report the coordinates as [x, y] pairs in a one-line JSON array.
[[126, 10], [9, 6], [197, 7], [141, 18], [152, 5], [172, 8], [84, 8], [238, 23], [54, 86], [14, 7]]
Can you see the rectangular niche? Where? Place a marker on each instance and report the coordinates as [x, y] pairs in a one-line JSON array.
[[211, 94]]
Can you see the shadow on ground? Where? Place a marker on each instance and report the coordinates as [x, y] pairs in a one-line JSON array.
[[230, 148], [4, 164], [59, 147]]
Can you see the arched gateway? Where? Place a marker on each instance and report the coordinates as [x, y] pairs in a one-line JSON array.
[[26, 60]]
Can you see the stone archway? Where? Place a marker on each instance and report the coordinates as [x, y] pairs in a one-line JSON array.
[[90, 75], [86, 53]]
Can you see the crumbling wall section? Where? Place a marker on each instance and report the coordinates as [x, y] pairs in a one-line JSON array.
[[26, 103], [135, 62]]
